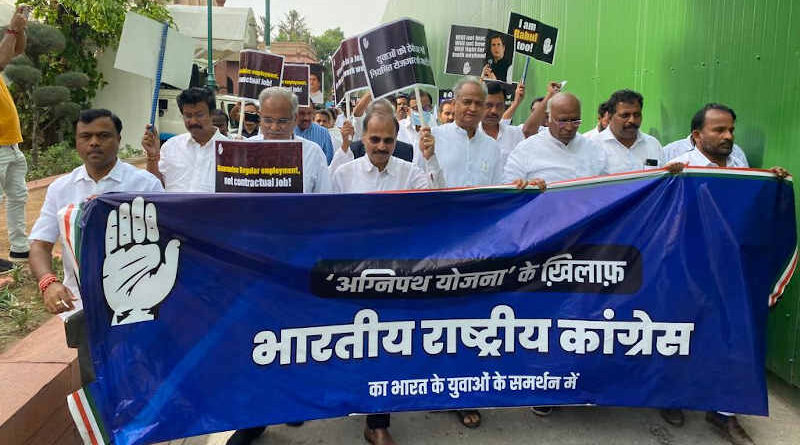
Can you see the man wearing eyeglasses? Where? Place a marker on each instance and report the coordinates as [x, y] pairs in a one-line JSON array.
[[560, 152], [379, 170], [627, 147], [466, 155], [278, 120], [187, 162]]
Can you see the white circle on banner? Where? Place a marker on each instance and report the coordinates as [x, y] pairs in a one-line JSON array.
[[365, 42]]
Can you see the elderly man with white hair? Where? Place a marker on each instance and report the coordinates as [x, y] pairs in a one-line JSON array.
[[278, 118], [466, 156]]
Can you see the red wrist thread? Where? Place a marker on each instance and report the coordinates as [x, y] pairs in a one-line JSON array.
[[46, 281]]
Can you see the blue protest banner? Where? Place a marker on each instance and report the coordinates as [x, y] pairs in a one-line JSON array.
[[216, 312]]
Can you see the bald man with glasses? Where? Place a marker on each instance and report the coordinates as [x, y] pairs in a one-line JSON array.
[[560, 152]]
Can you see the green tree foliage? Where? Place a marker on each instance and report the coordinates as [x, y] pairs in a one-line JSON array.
[[59, 75], [293, 28], [89, 26]]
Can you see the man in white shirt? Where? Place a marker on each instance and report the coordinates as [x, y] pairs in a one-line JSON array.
[[712, 133], [187, 162], [602, 121], [627, 147], [97, 138], [559, 153], [379, 170], [681, 146], [467, 156], [278, 119], [507, 136]]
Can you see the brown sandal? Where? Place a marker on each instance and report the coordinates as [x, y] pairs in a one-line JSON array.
[[466, 414]]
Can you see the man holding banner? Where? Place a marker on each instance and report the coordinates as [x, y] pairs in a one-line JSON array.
[[559, 153], [186, 162], [97, 138], [467, 156]]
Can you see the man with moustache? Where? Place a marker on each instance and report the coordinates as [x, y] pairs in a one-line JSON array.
[[627, 147], [446, 113], [97, 138], [357, 149], [380, 170], [712, 136], [466, 155], [307, 129], [681, 146], [187, 162], [508, 136], [560, 152]]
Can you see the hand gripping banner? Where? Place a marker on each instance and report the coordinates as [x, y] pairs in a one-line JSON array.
[[216, 312]]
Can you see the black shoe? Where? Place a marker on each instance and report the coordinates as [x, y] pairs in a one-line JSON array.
[[246, 436], [729, 427], [18, 256], [542, 411], [673, 417], [6, 266]]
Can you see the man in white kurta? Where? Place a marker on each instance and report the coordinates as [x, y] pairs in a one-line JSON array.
[[187, 162], [712, 133], [278, 119], [685, 145], [627, 147], [559, 153], [379, 170], [506, 135], [466, 155]]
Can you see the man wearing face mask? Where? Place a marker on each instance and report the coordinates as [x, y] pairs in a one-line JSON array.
[[251, 120], [187, 162], [627, 147], [409, 127], [508, 136]]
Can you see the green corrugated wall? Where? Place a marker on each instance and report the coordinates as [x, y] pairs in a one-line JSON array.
[[679, 54]]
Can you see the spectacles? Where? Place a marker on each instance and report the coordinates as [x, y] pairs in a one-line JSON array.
[[562, 124], [375, 140], [282, 122]]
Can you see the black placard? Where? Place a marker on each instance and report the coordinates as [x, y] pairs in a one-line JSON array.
[[396, 57], [533, 38]]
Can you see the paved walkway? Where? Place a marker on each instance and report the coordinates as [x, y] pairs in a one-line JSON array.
[[566, 426]]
